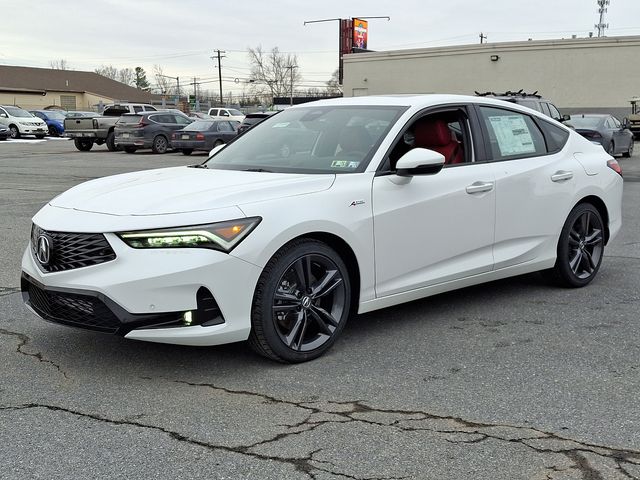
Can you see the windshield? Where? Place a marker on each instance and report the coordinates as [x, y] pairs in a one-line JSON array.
[[323, 139], [17, 112], [584, 121], [53, 115]]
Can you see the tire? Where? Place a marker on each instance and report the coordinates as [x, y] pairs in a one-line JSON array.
[[39, 137], [310, 284], [217, 143], [629, 152], [83, 145], [14, 132], [580, 248], [160, 144], [611, 149], [187, 151], [111, 142], [130, 149], [53, 131]]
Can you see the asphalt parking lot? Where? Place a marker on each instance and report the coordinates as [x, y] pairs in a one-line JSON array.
[[510, 380]]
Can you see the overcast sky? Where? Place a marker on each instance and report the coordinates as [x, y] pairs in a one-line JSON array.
[[182, 35]]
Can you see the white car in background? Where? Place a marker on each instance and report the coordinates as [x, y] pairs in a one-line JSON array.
[[226, 114], [324, 210], [20, 122]]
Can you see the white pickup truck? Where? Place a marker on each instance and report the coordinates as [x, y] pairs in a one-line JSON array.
[[86, 131]]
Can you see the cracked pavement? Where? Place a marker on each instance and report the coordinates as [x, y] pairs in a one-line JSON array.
[[510, 380]]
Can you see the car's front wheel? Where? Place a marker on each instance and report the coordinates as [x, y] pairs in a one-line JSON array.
[[580, 247], [14, 132], [301, 302]]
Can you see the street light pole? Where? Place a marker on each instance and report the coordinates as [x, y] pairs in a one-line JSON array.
[[291, 67]]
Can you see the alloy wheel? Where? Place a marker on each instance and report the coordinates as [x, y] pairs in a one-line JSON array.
[[308, 303], [586, 242]]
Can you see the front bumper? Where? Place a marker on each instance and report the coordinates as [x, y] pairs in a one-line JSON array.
[[143, 294]]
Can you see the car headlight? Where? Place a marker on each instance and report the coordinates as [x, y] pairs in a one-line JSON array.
[[223, 236]]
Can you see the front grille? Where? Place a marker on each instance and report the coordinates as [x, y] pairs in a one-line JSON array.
[[72, 250], [73, 309]]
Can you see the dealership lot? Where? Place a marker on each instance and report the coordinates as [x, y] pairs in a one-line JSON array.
[[513, 379]]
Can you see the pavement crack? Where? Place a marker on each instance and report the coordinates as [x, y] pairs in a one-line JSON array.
[[582, 464], [8, 291], [23, 341]]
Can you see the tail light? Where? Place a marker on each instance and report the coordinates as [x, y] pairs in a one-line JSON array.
[[590, 134], [615, 166], [199, 136], [95, 123], [141, 124], [173, 136]]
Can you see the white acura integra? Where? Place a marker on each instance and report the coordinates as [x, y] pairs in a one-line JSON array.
[[326, 209]]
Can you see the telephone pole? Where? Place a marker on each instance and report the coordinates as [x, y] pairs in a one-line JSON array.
[[290, 68], [220, 57], [483, 37], [602, 10]]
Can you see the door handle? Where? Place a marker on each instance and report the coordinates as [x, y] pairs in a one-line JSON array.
[[561, 176], [479, 187]]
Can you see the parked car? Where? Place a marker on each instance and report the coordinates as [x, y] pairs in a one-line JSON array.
[[226, 114], [148, 130], [54, 120], [606, 130], [277, 246], [203, 135], [530, 100], [20, 122], [4, 132], [99, 129], [252, 119]]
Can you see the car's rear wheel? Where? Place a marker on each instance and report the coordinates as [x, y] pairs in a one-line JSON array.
[[14, 132], [130, 149], [187, 151], [301, 302], [629, 152], [218, 143], [111, 142], [611, 149], [160, 144], [580, 247], [83, 145]]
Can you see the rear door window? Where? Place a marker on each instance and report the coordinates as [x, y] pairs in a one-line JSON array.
[[137, 108], [225, 127], [511, 134], [555, 114]]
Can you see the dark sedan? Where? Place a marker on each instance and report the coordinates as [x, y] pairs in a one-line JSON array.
[[606, 130], [253, 119], [148, 130], [203, 135]]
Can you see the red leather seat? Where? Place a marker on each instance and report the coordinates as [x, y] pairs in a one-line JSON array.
[[436, 135]]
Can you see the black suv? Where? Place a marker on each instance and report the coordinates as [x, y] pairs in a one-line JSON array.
[[530, 100], [148, 130]]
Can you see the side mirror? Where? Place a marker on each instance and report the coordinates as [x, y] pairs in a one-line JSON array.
[[419, 161], [565, 118], [216, 149], [3, 115]]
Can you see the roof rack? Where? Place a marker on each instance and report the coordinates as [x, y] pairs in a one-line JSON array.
[[519, 93]]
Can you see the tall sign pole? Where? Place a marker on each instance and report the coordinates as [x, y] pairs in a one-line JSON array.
[[220, 57]]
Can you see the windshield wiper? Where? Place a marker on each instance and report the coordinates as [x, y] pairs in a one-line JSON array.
[[257, 170], [198, 165]]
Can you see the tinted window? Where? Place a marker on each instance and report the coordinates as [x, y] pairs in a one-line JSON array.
[[545, 109], [129, 120], [213, 112], [137, 109], [180, 120], [555, 114], [556, 136], [512, 134], [198, 126], [225, 127], [223, 113], [163, 118], [530, 104], [151, 109]]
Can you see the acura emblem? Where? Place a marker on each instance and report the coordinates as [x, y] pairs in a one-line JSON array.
[[44, 250]]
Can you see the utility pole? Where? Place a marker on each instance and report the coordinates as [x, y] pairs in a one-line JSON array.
[[291, 67], [220, 57], [602, 10], [483, 37]]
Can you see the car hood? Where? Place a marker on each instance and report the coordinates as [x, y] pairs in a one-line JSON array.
[[184, 189]]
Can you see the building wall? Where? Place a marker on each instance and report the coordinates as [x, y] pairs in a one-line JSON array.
[[37, 101], [598, 74]]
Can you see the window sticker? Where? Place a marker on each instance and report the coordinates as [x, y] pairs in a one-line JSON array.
[[513, 135], [344, 164], [281, 125]]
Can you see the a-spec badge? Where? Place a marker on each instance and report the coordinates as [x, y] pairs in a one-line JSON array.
[[356, 202]]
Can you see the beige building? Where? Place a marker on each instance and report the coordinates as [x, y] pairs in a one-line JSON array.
[[594, 74], [40, 88]]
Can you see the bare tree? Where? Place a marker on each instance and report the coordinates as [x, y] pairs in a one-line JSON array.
[[126, 76], [333, 85], [271, 72], [61, 64], [162, 81], [108, 71]]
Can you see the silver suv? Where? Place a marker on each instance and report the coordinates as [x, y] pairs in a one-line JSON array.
[[531, 100]]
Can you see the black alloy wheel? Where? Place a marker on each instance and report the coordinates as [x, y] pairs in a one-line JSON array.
[[301, 303], [14, 132], [160, 144], [629, 152], [580, 248], [53, 131], [83, 145]]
